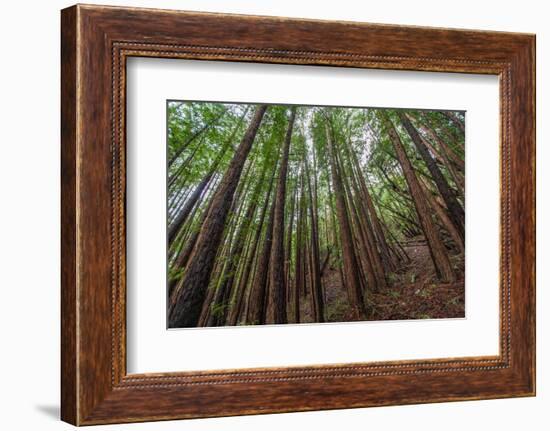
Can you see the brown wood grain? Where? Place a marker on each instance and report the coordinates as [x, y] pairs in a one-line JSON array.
[[96, 41], [68, 217]]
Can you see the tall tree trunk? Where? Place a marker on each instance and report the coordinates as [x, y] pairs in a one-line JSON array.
[[456, 212], [325, 262], [277, 260], [316, 287], [183, 214], [298, 265], [445, 148], [224, 291], [213, 304], [257, 304], [444, 217], [365, 255], [366, 235], [206, 309], [173, 178], [229, 273], [192, 200], [442, 158], [365, 228], [189, 242], [375, 221], [338, 244], [288, 247], [187, 307], [243, 282], [351, 267], [437, 249]]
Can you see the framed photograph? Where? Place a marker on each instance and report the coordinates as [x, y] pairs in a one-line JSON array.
[[266, 215]]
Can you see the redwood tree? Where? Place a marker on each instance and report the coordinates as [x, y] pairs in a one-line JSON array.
[[277, 258], [437, 249], [456, 212], [186, 307], [351, 266]]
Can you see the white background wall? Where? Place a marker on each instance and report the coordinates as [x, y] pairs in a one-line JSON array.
[[29, 214]]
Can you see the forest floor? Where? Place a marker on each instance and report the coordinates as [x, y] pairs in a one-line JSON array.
[[413, 292]]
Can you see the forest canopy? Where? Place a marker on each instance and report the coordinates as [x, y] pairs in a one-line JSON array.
[[308, 214]]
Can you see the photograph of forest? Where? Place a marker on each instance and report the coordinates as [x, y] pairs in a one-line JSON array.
[[283, 214]]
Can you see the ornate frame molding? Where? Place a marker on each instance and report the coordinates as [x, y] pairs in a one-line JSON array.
[[96, 41]]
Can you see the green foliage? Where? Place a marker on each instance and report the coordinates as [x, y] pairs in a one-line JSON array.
[[218, 310], [336, 311], [202, 138], [175, 273]]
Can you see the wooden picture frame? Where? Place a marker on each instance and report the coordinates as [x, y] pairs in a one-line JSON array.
[[95, 43]]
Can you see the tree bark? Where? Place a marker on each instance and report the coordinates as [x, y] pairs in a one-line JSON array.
[[456, 212], [443, 216], [365, 228], [277, 258], [216, 301], [316, 286], [446, 149], [288, 246], [187, 307], [230, 273], [437, 249], [256, 310], [185, 253], [243, 282], [192, 200], [299, 279], [351, 267], [375, 221]]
